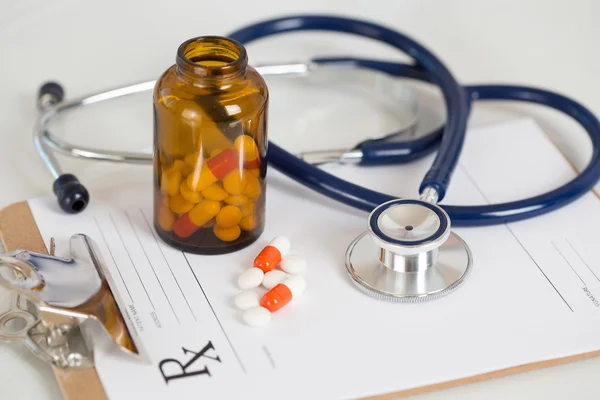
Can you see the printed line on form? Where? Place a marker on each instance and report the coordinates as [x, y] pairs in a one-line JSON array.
[[215, 314], [472, 180], [152, 266], [168, 264], [113, 258], [131, 259], [582, 260], [568, 263]]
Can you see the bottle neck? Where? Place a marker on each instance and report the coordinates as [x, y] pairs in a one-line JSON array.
[[211, 62]]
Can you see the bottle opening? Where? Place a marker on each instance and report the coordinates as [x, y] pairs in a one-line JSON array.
[[211, 56], [210, 61]]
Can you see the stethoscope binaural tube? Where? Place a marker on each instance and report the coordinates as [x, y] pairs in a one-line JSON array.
[[492, 214], [73, 197], [458, 109], [456, 101]]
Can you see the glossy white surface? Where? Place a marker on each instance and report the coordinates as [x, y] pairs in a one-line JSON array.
[[250, 278], [257, 316], [293, 264], [247, 299], [296, 284], [90, 46], [273, 278], [282, 244]]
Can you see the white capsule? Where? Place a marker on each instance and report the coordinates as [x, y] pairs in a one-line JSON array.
[[247, 299], [257, 316], [272, 278], [250, 278], [282, 244], [296, 284], [293, 264]]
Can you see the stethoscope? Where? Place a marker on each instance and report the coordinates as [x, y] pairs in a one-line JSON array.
[[409, 252]]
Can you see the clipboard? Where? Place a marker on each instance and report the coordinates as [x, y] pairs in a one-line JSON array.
[[18, 230]]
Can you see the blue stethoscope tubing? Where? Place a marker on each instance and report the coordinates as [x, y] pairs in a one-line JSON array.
[[448, 140]]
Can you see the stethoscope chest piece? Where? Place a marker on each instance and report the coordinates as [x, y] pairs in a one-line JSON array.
[[408, 253]]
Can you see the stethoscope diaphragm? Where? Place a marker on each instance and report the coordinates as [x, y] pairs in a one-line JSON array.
[[408, 253]]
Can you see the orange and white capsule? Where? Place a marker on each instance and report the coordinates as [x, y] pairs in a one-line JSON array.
[[283, 293], [272, 254], [215, 169]]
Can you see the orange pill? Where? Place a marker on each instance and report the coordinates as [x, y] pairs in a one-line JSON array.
[[227, 234], [178, 165], [215, 192], [228, 217], [191, 159], [276, 298], [283, 293], [189, 194], [235, 182], [171, 179], [180, 205], [247, 146], [200, 180], [199, 215], [184, 227], [215, 169], [248, 223], [223, 163], [166, 219], [186, 171], [254, 164], [247, 209], [272, 254], [253, 188], [237, 200]]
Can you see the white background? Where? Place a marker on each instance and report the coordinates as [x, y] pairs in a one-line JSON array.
[[89, 46]]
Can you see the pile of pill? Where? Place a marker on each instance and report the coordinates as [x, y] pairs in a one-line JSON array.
[[282, 285], [212, 192]]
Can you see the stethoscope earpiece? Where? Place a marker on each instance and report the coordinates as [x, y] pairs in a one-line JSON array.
[[408, 253], [50, 93], [72, 196]]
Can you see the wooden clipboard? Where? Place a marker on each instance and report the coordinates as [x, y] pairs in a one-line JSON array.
[[19, 230]]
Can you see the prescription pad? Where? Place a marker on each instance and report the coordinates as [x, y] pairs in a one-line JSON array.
[[533, 293]]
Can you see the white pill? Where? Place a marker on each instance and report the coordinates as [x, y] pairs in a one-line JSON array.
[[247, 299], [257, 316], [282, 244], [293, 264], [296, 284], [250, 278], [272, 278]]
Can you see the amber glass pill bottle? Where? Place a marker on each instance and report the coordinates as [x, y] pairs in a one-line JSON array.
[[210, 141]]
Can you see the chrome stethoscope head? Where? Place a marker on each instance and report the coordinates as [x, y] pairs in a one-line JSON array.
[[408, 253]]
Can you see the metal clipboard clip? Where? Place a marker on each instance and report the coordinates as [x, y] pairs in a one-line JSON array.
[[61, 307]]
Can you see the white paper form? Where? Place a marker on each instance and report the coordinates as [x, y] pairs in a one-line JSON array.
[[532, 295]]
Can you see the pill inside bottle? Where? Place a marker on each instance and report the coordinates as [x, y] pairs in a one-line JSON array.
[[210, 137]]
